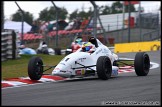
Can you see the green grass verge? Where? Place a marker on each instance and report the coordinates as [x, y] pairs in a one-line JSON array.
[[127, 62], [18, 67]]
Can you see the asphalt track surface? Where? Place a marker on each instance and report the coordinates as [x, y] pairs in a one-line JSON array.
[[127, 88]]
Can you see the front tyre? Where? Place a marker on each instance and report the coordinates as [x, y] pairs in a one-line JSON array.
[[35, 68], [45, 51], [57, 51], [142, 64], [104, 67]]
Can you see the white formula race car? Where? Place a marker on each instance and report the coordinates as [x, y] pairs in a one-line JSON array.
[[43, 49], [101, 62]]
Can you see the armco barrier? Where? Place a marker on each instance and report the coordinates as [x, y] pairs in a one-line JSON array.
[[137, 47]]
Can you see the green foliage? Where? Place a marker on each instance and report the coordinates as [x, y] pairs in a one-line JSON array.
[[104, 10], [28, 17], [90, 11], [116, 7], [73, 15], [132, 8], [81, 14], [44, 13], [62, 13], [50, 14]]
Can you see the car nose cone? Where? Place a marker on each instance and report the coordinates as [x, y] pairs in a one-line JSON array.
[[61, 73]]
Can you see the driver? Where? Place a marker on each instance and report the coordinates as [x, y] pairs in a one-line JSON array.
[[88, 47], [79, 41]]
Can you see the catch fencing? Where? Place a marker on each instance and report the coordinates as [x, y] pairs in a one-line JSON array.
[[148, 28], [116, 31]]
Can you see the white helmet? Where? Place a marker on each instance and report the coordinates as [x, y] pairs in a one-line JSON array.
[[44, 46]]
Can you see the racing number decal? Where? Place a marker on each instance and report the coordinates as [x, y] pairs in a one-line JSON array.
[[82, 59]]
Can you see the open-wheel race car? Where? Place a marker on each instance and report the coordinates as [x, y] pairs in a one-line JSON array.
[[44, 49], [101, 62]]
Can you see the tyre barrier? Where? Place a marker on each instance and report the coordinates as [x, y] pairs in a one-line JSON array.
[[9, 45], [58, 51]]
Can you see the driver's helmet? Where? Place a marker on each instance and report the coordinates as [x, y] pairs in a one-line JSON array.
[[79, 41], [86, 46], [44, 45]]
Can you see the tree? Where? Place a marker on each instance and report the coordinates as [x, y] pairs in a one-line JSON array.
[[104, 10], [90, 12], [117, 7], [49, 15], [28, 17], [45, 15], [83, 14], [62, 13], [132, 8], [73, 15]]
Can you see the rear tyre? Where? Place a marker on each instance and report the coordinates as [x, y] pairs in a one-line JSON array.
[[104, 67], [68, 52], [35, 68], [142, 64], [45, 51], [38, 51], [57, 51]]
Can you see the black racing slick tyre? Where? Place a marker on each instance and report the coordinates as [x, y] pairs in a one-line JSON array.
[[67, 52], [35, 68], [45, 51], [104, 67], [57, 51], [142, 64]]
